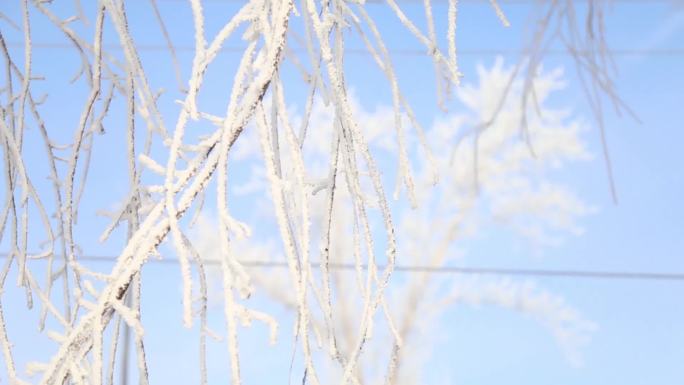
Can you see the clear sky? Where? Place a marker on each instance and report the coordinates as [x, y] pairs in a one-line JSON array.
[[640, 339]]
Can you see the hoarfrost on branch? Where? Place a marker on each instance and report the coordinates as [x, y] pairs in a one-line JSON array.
[[173, 169]]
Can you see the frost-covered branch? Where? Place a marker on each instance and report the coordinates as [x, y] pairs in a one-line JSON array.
[[172, 171]]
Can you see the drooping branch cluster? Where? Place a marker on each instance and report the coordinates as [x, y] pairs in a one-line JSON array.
[[154, 212]]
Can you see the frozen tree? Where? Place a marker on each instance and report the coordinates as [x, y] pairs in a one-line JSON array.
[[172, 170], [500, 181]]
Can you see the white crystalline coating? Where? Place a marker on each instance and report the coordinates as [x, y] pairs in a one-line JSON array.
[[500, 13], [151, 164], [170, 172]]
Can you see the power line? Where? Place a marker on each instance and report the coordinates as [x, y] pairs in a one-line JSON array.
[[394, 51], [495, 271], [501, 271]]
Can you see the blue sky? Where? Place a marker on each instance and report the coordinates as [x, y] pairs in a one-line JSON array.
[[640, 339]]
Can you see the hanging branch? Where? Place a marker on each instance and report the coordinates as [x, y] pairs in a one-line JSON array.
[[174, 171]]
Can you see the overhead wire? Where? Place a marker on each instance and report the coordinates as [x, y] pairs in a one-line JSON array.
[[360, 51], [472, 270]]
